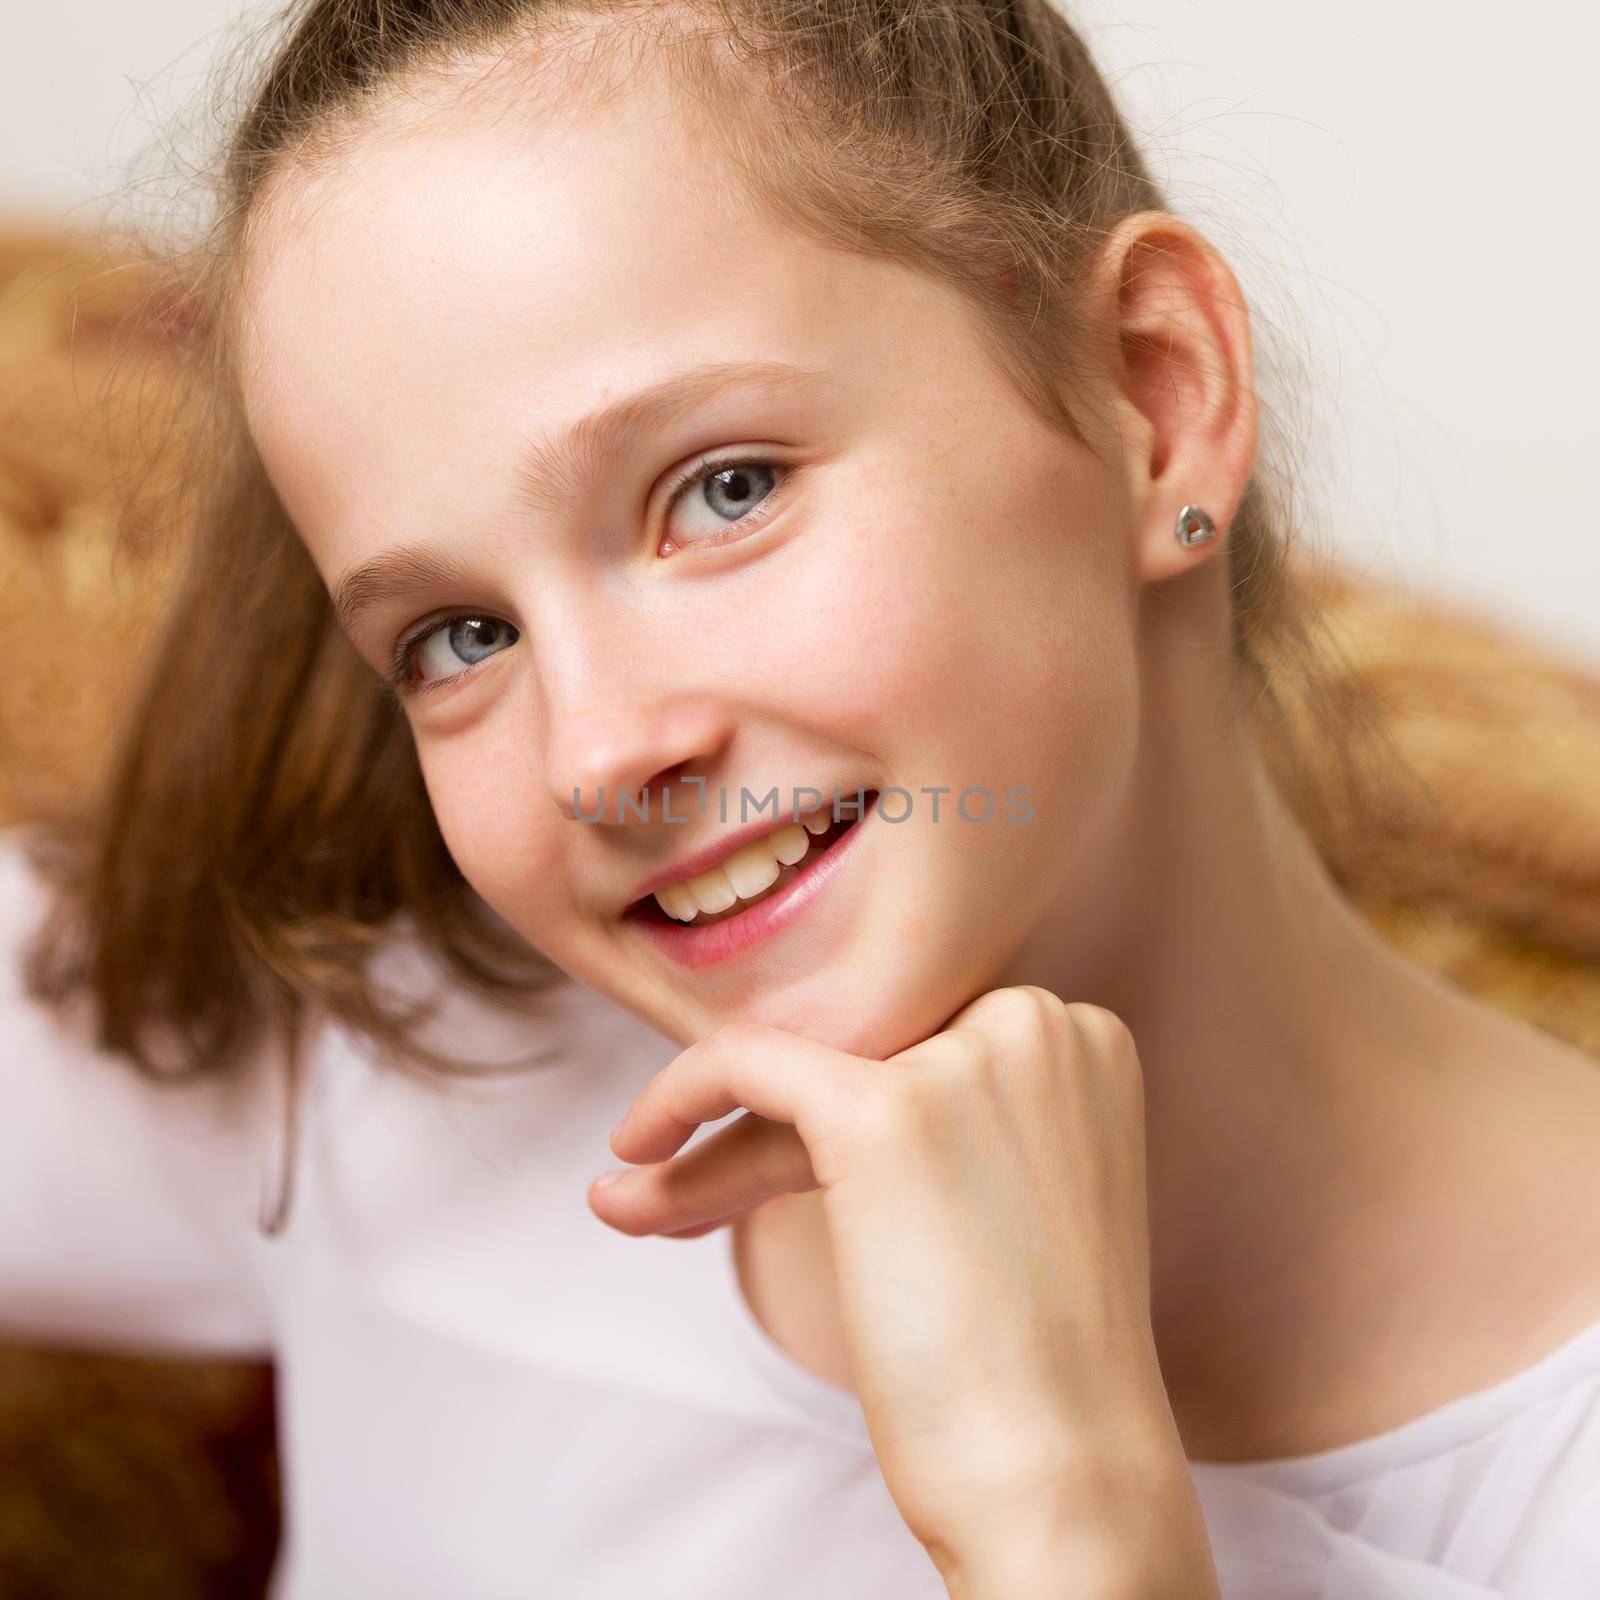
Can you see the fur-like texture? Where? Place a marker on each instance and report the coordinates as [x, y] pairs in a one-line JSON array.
[[1477, 851]]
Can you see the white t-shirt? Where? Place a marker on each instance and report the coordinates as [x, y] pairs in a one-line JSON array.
[[485, 1392]]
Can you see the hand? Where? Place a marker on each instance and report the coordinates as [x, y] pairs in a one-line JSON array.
[[985, 1198]]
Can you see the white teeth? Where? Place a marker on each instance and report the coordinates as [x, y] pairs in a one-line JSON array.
[[750, 871], [713, 890], [789, 844], [677, 902]]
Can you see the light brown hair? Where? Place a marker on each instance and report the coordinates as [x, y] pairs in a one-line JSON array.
[[265, 830]]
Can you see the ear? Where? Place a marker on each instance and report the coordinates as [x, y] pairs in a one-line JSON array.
[[1180, 382]]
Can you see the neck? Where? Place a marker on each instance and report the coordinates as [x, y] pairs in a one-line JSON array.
[[1289, 1053]]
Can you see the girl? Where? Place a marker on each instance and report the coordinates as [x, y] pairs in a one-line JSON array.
[[734, 554]]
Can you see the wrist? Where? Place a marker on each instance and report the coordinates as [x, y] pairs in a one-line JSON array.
[[1044, 1564], [1124, 1523]]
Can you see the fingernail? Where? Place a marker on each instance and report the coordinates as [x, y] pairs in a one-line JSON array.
[[608, 1177]]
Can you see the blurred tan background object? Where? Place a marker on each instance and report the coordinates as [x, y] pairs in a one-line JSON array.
[[121, 1477]]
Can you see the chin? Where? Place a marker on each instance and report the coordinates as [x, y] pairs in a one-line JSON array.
[[875, 1013]]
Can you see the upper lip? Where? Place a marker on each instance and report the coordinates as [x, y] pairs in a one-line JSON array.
[[724, 845]]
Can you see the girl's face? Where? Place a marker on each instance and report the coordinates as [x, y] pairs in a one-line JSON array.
[[822, 544]]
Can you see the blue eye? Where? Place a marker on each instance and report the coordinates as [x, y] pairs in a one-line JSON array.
[[451, 646], [727, 496], [735, 496]]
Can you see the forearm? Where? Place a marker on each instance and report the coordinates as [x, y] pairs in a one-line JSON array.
[[1057, 1566], [1137, 1534]]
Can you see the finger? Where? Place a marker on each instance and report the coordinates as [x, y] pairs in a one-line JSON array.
[[781, 1076], [737, 1168], [713, 1225], [1017, 1016]]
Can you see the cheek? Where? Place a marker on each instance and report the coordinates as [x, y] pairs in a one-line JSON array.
[[498, 824], [965, 637]]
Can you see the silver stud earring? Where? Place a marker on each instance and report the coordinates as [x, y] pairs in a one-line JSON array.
[[1194, 526]]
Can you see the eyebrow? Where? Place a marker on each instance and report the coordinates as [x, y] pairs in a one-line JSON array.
[[554, 469]]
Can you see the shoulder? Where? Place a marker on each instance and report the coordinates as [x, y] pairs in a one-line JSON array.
[[533, 1081], [1496, 1493]]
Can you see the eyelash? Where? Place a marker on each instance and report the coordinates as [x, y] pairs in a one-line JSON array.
[[405, 651]]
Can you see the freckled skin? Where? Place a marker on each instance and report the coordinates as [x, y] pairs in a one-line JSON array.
[[931, 605]]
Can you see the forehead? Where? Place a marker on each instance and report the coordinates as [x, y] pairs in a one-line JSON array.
[[474, 270]]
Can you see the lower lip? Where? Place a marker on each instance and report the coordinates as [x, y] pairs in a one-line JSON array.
[[722, 941]]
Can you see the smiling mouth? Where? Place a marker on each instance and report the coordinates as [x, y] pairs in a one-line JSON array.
[[649, 909]]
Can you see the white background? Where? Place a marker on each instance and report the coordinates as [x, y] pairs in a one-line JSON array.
[[1406, 191]]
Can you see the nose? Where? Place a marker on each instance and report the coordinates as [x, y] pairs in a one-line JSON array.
[[597, 757]]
